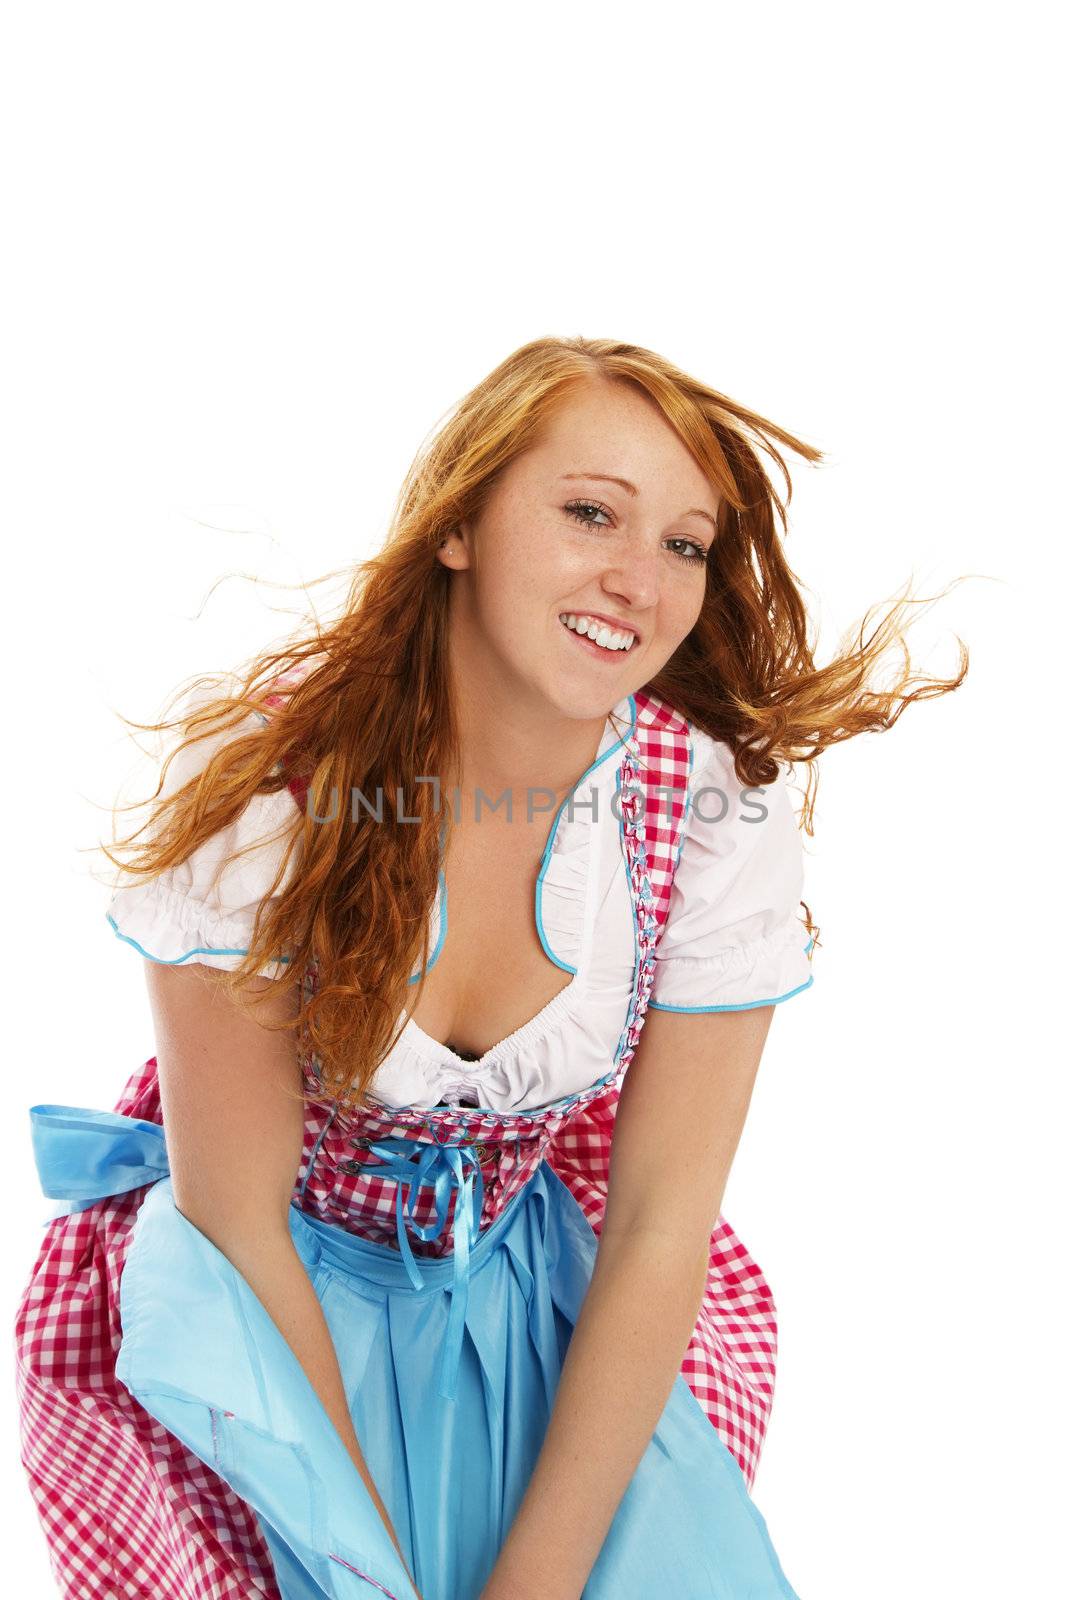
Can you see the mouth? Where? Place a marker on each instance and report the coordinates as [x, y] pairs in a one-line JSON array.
[[597, 638]]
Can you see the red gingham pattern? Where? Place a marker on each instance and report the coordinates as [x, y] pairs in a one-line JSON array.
[[730, 1361], [128, 1511], [338, 1185]]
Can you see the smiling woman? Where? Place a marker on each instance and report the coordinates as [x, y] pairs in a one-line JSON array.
[[598, 631], [328, 1305]]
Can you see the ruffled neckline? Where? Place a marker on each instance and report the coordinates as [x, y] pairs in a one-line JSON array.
[[563, 903]]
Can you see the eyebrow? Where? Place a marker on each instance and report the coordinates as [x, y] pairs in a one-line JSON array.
[[606, 477]]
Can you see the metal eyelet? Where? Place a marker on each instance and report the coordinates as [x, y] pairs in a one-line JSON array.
[[356, 1164], [486, 1150]]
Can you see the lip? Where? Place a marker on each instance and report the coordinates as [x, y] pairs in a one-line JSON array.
[[606, 657], [611, 622]]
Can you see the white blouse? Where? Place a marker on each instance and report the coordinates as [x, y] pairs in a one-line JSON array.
[[734, 936]]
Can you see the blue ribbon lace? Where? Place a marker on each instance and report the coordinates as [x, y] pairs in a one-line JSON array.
[[444, 1167], [83, 1155]]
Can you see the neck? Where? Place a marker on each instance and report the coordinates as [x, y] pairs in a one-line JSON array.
[[517, 742]]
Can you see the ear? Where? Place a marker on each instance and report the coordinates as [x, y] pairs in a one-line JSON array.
[[456, 550]]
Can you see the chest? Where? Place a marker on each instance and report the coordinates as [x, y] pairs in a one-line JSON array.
[[491, 973]]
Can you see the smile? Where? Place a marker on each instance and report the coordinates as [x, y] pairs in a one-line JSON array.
[[595, 635]]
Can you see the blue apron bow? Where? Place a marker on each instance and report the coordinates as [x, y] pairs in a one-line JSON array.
[[84, 1155], [441, 1165]]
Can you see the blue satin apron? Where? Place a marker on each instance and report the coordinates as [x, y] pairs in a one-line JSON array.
[[450, 1365]]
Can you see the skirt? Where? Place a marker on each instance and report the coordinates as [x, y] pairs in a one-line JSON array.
[[198, 1360]]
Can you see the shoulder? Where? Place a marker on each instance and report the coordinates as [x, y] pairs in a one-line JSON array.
[[680, 754], [725, 811], [735, 935], [203, 909]]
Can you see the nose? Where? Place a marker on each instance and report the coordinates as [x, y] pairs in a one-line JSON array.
[[634, 576]]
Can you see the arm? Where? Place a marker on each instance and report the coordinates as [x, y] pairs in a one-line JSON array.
[[234, 1141], [681, 1110]]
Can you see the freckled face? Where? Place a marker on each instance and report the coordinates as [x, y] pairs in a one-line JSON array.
[[557, 538]]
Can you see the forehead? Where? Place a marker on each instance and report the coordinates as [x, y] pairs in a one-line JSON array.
[[610, 429]]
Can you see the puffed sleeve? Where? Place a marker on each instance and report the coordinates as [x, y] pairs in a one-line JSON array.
[[203, 910], [735, 937]]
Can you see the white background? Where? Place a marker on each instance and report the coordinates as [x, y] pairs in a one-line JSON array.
[[254, 253]]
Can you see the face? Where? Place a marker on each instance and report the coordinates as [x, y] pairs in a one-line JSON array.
[[560, 539]]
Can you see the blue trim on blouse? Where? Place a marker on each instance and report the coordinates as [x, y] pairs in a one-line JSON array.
[[546, 854], [747, 1005], [441, 929], [545, 857], [175, 961], [633, 902]]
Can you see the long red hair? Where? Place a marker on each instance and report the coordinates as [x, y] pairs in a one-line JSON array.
[[368, 705]]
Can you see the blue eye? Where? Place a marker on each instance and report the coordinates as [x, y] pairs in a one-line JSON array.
[[574, 508]]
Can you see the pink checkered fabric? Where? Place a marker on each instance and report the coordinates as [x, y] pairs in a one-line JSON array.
[[730, 1362], [337, 1180], [126, 1509]]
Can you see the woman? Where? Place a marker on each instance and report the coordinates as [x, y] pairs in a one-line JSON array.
[[370, 1316]]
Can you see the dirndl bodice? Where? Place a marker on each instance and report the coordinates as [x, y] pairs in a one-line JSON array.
[[428, 1182], [424, 1185]]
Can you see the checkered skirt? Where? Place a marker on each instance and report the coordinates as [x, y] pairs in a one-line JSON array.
[[126, 1509]]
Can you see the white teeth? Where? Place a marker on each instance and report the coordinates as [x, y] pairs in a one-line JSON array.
[[599, 632]]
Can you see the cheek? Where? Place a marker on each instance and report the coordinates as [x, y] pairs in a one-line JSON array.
[[512, 578], [536, 560], [681, 609]]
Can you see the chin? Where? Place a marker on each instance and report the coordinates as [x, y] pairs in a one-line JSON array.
[[580, 703]]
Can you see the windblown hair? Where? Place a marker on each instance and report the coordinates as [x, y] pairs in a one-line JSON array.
[[367, 706]]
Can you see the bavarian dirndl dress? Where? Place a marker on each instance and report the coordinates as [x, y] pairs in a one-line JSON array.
[[173, 1443]]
